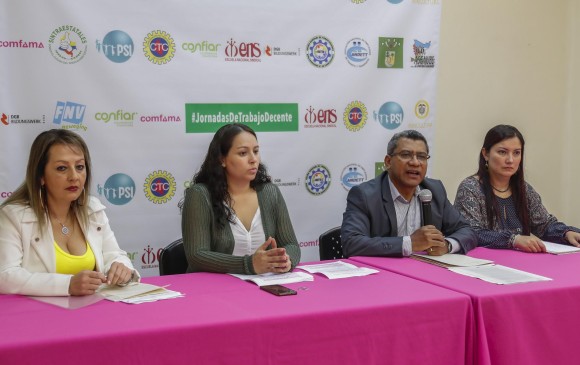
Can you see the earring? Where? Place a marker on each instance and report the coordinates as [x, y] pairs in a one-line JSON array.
[[41, 199], [486, 165]]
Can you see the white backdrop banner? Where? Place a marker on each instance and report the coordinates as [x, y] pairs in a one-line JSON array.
[[324, 83]]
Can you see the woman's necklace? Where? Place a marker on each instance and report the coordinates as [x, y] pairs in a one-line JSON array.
[[498, 190], [64, 229]]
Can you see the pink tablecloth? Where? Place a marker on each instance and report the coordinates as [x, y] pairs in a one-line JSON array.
[[531, 323], [378, 319]]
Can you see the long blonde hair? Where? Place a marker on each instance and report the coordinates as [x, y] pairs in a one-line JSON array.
[[31, 192]]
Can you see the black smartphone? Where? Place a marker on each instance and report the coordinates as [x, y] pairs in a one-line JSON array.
[[278, 290]]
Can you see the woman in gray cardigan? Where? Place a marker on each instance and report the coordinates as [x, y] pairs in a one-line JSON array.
[[234, 220]]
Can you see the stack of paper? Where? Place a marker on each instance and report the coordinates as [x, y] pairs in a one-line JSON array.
[[558, 249], [136, 293], [271, 279], [338, 270], [499, 274], [451, 260]]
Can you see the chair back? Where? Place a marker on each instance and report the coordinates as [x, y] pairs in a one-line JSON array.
[[172, 259], [329, 245]]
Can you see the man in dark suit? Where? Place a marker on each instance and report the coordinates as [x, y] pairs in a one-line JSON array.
[[383, 216]]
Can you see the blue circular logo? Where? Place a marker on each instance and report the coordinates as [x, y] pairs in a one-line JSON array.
[[353, 175], [320, 51], [357, 52], [390, 115], [119, 189], [318, 179], [117, 46], [395, 1]]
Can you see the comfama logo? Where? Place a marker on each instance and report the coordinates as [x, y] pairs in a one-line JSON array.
[[21, 44], [119, 189], [70, 112], [159, 187]]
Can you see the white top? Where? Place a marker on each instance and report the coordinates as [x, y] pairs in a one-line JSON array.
[[247, 242]]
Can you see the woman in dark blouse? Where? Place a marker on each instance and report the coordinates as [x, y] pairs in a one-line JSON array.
[[503, 209]]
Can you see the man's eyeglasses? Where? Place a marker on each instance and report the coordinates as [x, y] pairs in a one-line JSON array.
[[408, 156]]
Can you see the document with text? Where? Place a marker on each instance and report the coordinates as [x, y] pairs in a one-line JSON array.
[[498, 274], [338, 270], [451, 260], [558, 249], [271, 279], [136, 293]]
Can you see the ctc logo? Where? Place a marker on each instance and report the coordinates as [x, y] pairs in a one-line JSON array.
[[160, 187], [159, 47]]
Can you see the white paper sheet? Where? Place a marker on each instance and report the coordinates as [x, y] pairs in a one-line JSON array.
[[498, 274], [452, 259], [338, 270], [135, 293], [557, 249], [271, 279]]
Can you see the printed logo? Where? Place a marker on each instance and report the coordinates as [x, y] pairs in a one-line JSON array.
[[117, 46], [18, 119], [390, 115], [159, 47], [208, 118], [421, 58], [422, 109], [357, 52], [119, 189], [160, 118], [150, 258], [67, 44], [288, 183], [357, 1], [21, 44], [390, 52], [379, 168], [70, 112], [277, 51], [321, 118], [159, 187], [243, 52], [120, 117], [426, 2], [203, 48], [5, 194], [320, 51], [421, 112], [355, 116], [352, 175], [318, 179], [395, 1]]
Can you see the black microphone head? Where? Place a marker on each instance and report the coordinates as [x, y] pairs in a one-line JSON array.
[[425, 196]]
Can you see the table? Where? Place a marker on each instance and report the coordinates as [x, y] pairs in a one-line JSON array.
[[377, 319], [530, 323]]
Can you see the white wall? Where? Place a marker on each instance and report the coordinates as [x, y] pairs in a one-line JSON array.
[[511, 62]]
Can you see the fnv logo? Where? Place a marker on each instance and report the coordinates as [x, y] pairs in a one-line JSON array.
[[69, 112]]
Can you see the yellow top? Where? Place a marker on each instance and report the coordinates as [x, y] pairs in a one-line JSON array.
[[71, 264]]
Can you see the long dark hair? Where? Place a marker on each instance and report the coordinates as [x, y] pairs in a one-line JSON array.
[[517, 182], [213, 175], [31, 192]]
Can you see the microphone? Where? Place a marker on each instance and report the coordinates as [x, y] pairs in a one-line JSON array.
[[425, 197]]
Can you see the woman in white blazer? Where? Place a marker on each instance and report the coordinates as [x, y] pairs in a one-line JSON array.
[[55, 239]]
